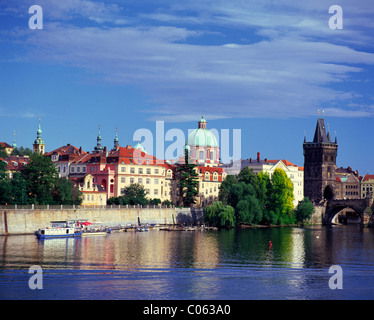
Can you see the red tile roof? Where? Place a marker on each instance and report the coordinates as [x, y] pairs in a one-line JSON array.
[[368, 177]]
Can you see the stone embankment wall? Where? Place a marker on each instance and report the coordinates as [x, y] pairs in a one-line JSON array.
[[27, 221]]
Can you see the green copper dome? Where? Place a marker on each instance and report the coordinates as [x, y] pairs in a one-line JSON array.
[[202, 137]]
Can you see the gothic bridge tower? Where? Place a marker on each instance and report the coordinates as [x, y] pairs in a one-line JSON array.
[[320, 165]]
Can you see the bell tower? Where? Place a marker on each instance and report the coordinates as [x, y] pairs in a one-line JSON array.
[[39, 146], [320, 165]]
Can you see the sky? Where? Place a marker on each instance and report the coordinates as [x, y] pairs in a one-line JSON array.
[[262, 67]]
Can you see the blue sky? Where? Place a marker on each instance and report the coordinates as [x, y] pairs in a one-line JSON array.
[[264, 67]]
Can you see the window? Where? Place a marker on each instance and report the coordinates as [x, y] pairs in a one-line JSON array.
[[78, 169], [201, 154], [156, 171], [72, 169], [211, 155], [148, 171], [156, 191], [140, 180], [123, 190], [131, 180], [123, 179], [148, 181], [84, 169], [156, 181], [132, 170], [123, 169], [140, 170], [215, 176]]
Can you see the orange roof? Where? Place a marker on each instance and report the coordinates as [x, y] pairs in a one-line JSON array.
[[368, 177], [66, 150]]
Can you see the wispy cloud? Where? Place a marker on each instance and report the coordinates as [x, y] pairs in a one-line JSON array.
[[288, 63]]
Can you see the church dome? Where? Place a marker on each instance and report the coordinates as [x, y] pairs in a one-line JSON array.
[[202, 137]]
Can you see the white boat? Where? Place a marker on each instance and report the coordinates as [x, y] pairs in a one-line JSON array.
[[60, 229]]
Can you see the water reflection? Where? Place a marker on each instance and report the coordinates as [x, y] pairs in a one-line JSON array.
[[197, 265]]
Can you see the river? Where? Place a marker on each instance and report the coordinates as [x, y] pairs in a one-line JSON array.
[[196, 265]]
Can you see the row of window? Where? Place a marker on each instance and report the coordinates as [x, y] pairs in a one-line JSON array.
[[140, 180]]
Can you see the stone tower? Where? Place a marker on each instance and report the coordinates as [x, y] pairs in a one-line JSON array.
[[39, 146], [320, 165]]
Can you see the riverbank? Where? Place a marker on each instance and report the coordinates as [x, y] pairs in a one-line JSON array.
[[27, 221]]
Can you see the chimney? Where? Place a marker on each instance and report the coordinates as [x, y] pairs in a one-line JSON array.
[[258, 156], [250, 160], [128, 146], [80, 150]]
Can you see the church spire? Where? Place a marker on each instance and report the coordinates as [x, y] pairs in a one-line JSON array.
[[14, 140], [116, 143], [39, 146], [98, 147]]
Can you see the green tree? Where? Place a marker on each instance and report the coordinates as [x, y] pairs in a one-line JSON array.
[[281, 197], [5, 185], [19, 189], [188, 181], [21, 151], [136, 194], [65, 192], [304, 210], [40, 175], [219, 215]]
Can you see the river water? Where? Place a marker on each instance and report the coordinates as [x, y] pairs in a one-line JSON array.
[[196, 265]]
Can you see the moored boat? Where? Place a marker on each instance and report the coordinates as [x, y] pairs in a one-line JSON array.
[[60, 229]]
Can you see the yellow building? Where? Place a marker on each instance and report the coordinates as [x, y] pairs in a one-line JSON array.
[[367, 185], [92, 194]]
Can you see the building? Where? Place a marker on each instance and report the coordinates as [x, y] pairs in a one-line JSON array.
[[348, 184], [15, 164], [39, 145], [294, 172], [7, 148], [320, 165], [203, 146], [63, 157], [367, 186], [210, 179], [92, 194]]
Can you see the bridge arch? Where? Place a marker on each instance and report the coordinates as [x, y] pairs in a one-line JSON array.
[[333, 207]]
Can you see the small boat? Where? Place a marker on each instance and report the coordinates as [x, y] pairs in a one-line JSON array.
[[142, 229], [60, 229]]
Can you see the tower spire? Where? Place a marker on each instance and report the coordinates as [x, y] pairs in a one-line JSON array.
[[14, 139], [98, 147], [116, 144], [39, 146]]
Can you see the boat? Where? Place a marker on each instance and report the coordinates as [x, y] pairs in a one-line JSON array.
[[95, 229], [60, 229], [142, 229]]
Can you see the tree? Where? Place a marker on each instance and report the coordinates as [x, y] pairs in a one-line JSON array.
[[65, 192], [21, 151], [5, 185], [136, 194], [304, 210], [188, 182], [281, 197], [40, 175], [19, 189], [219, 215]]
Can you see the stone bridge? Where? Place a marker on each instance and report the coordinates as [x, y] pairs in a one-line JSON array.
[[363, 207]]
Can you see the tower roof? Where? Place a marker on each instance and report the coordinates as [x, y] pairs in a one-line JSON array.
[[320, 134]]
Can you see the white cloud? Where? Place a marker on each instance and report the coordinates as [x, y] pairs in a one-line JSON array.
[[287, 73]]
